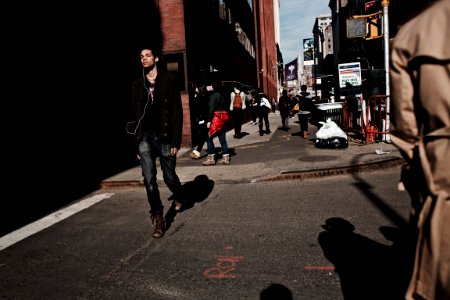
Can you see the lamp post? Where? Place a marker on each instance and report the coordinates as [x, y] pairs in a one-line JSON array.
[[385, 4]]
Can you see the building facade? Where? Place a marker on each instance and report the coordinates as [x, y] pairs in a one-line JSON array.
[[229, 41]]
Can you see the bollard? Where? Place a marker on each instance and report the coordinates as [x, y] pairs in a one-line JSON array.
[[370, 133]]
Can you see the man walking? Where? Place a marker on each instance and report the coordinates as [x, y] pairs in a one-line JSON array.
[[157, 127]]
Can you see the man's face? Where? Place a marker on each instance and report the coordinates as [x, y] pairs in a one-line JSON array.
[[147, 58]]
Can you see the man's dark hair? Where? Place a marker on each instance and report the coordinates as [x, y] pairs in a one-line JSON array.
[[156, 50]]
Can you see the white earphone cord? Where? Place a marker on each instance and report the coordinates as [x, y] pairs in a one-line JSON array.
[[145, 108]]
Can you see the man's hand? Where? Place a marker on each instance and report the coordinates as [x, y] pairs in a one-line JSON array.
[[173, 151]]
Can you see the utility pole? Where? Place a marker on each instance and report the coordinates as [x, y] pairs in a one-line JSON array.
[[385, 4]]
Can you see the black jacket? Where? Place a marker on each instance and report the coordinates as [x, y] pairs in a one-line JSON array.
[[166, 87], [216, 103]]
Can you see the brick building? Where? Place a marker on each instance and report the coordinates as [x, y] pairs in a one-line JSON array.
[[231, 41]]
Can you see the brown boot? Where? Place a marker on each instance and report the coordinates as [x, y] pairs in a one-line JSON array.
[[160, 226], [305, 134]]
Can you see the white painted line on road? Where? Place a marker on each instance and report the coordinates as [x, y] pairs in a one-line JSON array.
[[49, 220]]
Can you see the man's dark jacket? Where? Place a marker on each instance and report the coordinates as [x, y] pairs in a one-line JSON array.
[[166, 87]]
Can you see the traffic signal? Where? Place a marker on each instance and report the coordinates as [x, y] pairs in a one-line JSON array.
[[357, 27], [374, 27], [368, 27]]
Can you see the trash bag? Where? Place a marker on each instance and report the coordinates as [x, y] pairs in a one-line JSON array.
[[330, 135], [331, 143]]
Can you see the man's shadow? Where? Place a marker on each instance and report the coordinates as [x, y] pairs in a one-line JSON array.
[[195, 192], [368, 269]]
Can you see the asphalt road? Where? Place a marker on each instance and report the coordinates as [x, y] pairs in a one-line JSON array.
[[341, 237]]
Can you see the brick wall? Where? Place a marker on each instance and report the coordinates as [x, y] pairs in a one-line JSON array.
[[172, 25], [187, 136]]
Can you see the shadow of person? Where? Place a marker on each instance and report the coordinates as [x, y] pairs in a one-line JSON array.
[[276, 291], [367, 269], [243, 134], [195, 192]]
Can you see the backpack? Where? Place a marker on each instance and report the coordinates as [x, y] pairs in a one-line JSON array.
[[237, 101]]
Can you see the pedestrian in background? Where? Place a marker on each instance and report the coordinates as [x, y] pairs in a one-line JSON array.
[[200, 112], [420, 116], [284, 106], [253, 109], [274, 104], [305, 110], [217, 103], [237, 107], [158, 121], [295, 103], [264, 109]]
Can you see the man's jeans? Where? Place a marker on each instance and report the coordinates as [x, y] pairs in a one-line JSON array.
[[150, 148]]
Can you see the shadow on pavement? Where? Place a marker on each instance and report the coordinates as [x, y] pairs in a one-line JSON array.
[[367, 269], [195, 191]]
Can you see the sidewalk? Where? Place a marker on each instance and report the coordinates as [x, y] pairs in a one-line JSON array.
[[279, 155]]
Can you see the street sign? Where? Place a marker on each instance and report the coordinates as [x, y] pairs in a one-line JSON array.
[[349, 75]]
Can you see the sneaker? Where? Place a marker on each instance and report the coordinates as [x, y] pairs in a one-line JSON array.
[[225, 159], [195, 154], [178, 205], [160, 226], [210, 161]]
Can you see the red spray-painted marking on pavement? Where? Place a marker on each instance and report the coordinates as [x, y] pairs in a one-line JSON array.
[[224, 268], [319, 267]]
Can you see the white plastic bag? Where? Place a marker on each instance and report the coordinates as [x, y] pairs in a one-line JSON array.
[[330, 129]]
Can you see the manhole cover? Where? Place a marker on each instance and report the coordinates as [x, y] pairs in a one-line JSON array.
[[318, 158]]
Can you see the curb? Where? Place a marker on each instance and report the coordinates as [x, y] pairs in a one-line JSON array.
[[358, 168], [121, 184], [290, 175]]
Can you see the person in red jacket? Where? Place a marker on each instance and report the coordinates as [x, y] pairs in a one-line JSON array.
[[217, 103]]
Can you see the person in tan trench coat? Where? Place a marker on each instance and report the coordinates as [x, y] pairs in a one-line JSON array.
[[420, 115]]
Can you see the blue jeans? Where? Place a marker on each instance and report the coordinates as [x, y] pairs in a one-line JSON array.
[[150, 148], [223, 143]]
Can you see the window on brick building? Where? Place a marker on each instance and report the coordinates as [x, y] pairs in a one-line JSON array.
[[175, 62]]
